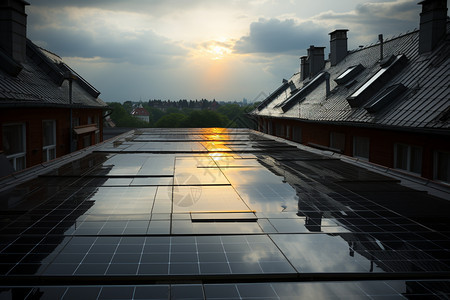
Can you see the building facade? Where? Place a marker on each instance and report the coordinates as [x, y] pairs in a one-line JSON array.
[[141, 113], [46, 109], [387, 103]]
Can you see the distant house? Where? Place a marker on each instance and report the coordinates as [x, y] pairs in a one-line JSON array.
[[46, 109], [387, 103], [141, 113]]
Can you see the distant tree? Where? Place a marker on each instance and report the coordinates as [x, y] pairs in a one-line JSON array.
[[122, 118], [128, 106], [238, 114], [172, 120], [205, 118]]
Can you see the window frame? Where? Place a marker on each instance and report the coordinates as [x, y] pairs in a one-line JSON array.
[[12, 158], [436, 169], [355, 138], [408, 158], [333, 136], [46, 150]]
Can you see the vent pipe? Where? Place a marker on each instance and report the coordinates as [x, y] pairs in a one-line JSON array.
[[433, 24], [380, 39], [327, 84], [13, 29]]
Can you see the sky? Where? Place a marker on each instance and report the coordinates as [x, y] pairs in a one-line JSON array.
[[194, 49]]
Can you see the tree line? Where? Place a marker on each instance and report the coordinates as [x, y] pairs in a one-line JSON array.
[[230, 115]]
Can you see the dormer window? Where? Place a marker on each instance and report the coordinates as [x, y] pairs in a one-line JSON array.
[[275, 94], [386, 97], [349, 74], [301, 94], [371, 86]]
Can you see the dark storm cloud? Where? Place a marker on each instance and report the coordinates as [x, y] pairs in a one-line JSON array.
[[137, 47], [276, 36], [150, 7], [370, 19]]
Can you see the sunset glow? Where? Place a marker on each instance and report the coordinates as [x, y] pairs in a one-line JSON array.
[[205, 48]]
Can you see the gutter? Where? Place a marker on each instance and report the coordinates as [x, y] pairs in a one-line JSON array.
[[33, 104], [437, 131]]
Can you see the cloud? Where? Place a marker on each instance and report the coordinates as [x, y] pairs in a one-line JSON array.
[[74, 33], [156, 8], [367, 20], [280, 36]]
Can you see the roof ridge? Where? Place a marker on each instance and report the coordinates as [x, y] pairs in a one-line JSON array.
[[401, 35]]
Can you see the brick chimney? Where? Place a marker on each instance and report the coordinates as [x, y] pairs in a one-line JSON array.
[[316, 60], [433, 24], [338, 46], [13, 28], [304, 67]]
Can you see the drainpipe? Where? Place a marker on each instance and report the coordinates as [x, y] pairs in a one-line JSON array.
[[71, 116], [70, 77]]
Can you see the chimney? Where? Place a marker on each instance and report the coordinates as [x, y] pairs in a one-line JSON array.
[[433, 24], [338, 46], [13, 28], [316, 60], [304, 67]]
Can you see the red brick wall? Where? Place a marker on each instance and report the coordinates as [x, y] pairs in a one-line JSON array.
[[382, 141], [33, 117]]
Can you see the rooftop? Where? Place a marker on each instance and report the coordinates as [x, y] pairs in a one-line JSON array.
[[219, 214], [361, 99], [43, 80]]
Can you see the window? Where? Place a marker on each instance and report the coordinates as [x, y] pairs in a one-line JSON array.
[[97, 136], [337, 141], [350, 73], [48, 140], [279, 128], [14, 145], [89, 120], [297, 134], [376, 82], [442, 166], [303, 92], [288, 131], [408, 158], [361, 147], [86, 141], [76, 122], [386, 97], [270, 128]]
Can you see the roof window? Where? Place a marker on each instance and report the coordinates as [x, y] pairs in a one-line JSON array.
[[350, 73], [386, 97], [275, 94], [300, 95], [371, 86]]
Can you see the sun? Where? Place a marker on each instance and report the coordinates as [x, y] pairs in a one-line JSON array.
[[218, 52]]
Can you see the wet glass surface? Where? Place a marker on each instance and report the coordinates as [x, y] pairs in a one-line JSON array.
[[189, 205]]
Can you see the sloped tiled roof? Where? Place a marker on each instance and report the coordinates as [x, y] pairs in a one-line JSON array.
[[140, 111], [424, 103], [41, 82]]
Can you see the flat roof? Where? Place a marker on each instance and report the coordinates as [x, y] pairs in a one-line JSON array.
[[219, 214]]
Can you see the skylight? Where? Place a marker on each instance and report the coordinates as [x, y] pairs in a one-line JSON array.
[[275, 94], [386, 97], [350, 73], [371, 86], [291, 101]]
